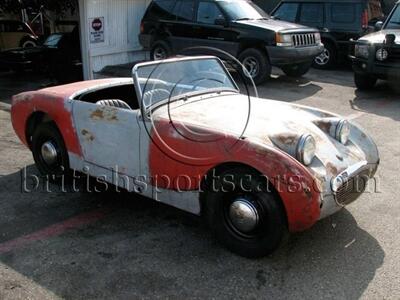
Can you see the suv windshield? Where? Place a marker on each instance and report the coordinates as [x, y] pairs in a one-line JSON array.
[[242, 10], [394, 21], [177, 78]]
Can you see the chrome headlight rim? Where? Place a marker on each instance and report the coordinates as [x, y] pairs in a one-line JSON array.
[[342, 132], [381, 54], [306, 143]]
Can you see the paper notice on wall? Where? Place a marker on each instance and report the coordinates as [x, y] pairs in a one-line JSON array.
[[96, 30]]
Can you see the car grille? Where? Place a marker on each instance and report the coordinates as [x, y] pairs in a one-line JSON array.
[[304, 39], [352, 188]]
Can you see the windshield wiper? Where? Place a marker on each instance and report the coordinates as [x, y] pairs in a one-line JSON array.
[[244, 19]]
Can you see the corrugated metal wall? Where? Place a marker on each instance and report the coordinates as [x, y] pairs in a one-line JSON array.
[[121, 28]]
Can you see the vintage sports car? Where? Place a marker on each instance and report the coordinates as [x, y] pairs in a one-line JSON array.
[[182, 133]]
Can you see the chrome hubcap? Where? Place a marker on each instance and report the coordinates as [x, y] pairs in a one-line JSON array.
[[243, 215], [159, 53], [49, 153], [323, 58], [251, 66]]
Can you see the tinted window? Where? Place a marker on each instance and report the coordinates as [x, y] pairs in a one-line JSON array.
[[184, 10], [287, 12], [394, 22], [312, 13], [208, 12], [163, 9], [343, 13]]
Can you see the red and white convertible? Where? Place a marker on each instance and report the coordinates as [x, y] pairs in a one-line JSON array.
[[182, 133]]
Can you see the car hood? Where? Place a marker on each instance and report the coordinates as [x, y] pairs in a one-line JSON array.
[[379, 36], [273, 123], [275, 25]]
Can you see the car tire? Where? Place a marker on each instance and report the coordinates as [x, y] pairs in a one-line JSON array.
[[257, 64], [364, 81], [224, 204], [49, 151], [297, 70], [160, 50], [28, 43], [327, 59]]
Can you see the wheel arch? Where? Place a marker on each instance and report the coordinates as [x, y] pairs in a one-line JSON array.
[[33, 121], [256, 44]]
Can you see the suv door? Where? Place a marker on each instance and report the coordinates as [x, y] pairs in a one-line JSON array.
[[182, 27], [208, 33]]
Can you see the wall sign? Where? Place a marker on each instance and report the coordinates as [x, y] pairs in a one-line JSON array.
[[96, 30]]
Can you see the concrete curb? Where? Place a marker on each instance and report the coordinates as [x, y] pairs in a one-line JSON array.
[[5, 106]]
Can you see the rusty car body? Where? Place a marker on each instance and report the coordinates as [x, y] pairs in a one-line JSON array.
[[181, 127]]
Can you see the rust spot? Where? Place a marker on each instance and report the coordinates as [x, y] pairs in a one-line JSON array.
[[324, 125], [105, 113], [331, 168], [287, 139], [97, 114], [88, 136]]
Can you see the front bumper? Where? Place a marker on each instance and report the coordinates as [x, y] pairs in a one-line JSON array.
[[280, 56], [354, 182], [382, 70]]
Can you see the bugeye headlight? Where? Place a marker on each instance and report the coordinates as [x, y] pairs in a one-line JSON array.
[[283, 40], [306, 149], [361, 51], [342, 131], [381, 54]]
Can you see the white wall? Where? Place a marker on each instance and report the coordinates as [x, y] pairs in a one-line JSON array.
[[121, 28]]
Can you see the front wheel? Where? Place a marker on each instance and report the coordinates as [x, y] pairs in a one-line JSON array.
[[245, 217], [364, 81], [49, 151], [256, 65], [296, 70]]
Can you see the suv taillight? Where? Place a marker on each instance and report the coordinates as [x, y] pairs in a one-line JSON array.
[[364, 19], [141, 27]]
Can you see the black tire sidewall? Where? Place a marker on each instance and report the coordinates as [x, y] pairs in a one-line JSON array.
[[263, 62], [274, 227], [45, 132]]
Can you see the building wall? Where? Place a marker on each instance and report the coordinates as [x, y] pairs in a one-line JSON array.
[[121, 28]]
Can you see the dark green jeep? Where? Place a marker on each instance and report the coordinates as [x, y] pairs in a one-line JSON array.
[[377, 55]]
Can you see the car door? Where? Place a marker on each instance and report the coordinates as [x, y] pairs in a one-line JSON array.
[[110, 141], [209, 34]]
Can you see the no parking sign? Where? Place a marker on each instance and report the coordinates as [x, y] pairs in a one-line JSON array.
[[96, 28]]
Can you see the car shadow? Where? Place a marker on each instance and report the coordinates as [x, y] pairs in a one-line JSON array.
[[141, 248], [382, 100]]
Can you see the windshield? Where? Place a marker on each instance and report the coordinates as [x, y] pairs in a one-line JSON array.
[[53, 40], [175, 79], [394, 21], [242, 10]]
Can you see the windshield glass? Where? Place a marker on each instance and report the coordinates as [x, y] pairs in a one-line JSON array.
[[394, 21], [171, 80], [53, 40], [242, 10]]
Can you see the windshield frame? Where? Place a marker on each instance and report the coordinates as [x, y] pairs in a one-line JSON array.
[[150, 108], [395, 8]]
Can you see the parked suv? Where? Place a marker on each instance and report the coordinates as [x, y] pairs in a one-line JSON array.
[[15, 34], [337, 20], [377, 55], [238, 27]]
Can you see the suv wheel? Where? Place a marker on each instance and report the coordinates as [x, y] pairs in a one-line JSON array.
[[256, 64], [327, 58], [364, 81], [160, 50], [297, 70]]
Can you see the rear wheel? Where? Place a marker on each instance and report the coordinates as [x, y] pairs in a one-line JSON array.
[[296, 70], [160, 50], [256, 64], [327, 58], [49, 151], [245, 217], [364, 81]]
